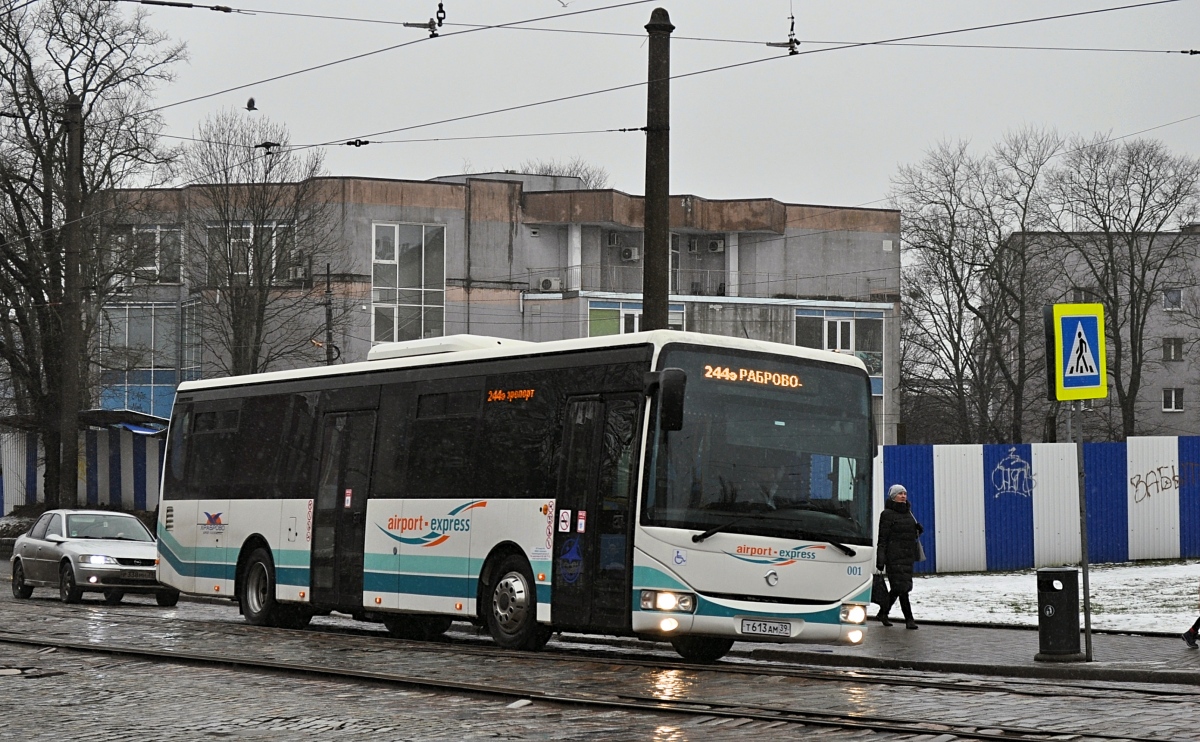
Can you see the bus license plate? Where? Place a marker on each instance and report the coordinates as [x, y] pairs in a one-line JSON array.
[[766, 628]]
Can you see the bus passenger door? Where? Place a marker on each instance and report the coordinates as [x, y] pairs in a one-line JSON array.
[[339, 515], [594, 524]]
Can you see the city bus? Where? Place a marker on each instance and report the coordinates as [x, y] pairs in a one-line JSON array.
[[666, 485]]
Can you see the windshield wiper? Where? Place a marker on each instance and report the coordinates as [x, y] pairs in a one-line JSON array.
[[717, 528], [835, 544], [841, 547]]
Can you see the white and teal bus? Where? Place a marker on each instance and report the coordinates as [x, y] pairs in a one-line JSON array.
[[693, 488]]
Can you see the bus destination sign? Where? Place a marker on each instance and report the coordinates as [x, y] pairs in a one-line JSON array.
[[753, 376]]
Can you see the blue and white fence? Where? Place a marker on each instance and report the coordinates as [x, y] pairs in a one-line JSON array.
[[116, 467], [1002, 507]]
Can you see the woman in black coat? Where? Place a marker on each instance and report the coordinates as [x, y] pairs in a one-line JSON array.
[[896, 552]]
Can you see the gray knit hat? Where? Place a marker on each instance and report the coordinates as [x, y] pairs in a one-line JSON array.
[[896, 489]]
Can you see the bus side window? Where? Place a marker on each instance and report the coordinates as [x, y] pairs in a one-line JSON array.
[[174, 483], [440, 459], [213, 454], [521, 437], [391, 448]]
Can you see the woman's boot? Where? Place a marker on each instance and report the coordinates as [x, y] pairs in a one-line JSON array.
[[909, 623]]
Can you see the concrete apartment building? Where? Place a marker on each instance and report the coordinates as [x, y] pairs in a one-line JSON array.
[[538, 258]]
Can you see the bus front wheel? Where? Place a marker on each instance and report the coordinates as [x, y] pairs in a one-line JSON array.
[[702, 649], [512, 606]]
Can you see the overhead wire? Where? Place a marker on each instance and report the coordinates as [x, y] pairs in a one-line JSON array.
[[393, 47], [694, 73]]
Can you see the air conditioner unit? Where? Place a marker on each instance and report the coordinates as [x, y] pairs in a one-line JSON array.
[[550, 284], [693, 245], [630, 254], [297, 273], [716, 245], [614, 239]]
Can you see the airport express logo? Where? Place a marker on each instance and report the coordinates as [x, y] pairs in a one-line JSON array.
[[776, 557], [434, 530]]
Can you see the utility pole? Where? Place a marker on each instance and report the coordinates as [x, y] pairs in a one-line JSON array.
[[328, 317], [657, 223], [72, 331]]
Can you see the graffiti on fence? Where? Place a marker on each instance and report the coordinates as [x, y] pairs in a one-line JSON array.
[[1013, 476], [1164, 479]]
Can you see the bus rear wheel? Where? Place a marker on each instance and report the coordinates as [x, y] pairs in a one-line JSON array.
[[512, 606], [256, 591], [702, 649]]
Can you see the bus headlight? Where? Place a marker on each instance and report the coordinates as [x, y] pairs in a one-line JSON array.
[[853, 613], [660, 600]]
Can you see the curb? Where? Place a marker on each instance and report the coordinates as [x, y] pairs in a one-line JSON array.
[[1057, 671]]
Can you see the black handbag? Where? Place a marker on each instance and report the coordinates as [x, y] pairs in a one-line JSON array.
[[879, 590]]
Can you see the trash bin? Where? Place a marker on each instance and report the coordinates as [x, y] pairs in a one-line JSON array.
[[1058, 615]]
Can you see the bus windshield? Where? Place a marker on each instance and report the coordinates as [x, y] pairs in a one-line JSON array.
[[770, 446]]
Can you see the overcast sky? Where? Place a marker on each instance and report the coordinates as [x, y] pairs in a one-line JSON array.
[[828, 127]]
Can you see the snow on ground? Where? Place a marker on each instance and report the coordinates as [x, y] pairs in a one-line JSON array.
[[1146, 596]]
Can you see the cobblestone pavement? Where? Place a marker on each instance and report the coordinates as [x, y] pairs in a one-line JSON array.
[[99, 691]]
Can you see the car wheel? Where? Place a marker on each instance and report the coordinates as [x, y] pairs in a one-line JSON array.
[[20, 590], [256, 592], [702, 649], [113, 597], [512, 605], [167, 598], [67, 589]]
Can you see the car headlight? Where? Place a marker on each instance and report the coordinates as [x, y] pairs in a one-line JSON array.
[[96, 559], [660, 600], [854, 613]]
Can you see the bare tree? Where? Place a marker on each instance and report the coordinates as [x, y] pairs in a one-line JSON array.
[[112, 61], [593, 176], [1009, 205], [1111, 206], [259, 229], [948, 315]]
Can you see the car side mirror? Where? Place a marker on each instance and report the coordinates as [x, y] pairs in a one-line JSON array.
[[55, 538], [670, 385]]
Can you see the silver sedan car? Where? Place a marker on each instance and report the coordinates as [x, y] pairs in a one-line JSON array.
[[81, 551]]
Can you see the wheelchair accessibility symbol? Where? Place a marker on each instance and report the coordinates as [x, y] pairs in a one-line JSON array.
[[680, 557]]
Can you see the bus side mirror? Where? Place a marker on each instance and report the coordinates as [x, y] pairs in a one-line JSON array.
[[670, 384]]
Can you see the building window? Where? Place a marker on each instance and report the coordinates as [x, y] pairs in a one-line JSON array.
[[857, 332], [1173, 299], [408, 285], [809, 332], [1172, 400], [839, 335], [623, 317], [259, 254], [156, 253], [139, 350], [1172, 349], [674, 273]]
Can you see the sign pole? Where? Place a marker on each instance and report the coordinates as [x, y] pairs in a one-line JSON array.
[[1077, 369], [1083, 542]]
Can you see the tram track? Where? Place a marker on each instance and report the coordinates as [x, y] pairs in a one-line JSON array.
[[696, 708], [618, 651]]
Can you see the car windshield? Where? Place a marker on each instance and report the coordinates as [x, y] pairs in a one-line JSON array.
[[120, 527], [770, 446]]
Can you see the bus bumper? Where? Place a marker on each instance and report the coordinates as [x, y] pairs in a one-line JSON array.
[[747, 621]]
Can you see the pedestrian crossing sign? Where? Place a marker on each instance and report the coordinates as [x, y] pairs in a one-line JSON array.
[[1080, 371]]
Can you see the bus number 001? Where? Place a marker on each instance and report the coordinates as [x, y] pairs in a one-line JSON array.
[[856, 571]]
